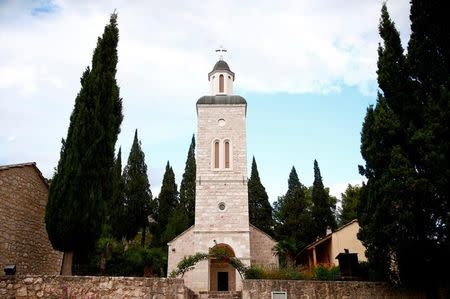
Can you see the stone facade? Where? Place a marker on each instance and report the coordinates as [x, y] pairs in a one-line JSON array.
[[221, 203], [23, 237], [90, 287], [302, 289], [261, 246]]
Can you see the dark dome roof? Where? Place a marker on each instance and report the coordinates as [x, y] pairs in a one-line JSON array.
[[221, 65]]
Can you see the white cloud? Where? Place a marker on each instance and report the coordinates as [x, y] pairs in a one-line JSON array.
[[165, 53]]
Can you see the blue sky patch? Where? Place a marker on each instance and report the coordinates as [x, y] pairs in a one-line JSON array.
[[44, 7]]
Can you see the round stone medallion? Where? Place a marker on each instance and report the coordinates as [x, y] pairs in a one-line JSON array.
[[221, 122], [221, 206]]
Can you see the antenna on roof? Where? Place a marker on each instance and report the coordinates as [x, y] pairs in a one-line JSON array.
[[221, 51]]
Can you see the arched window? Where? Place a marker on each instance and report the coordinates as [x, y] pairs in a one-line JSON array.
[[216, 154], [227, 154], [221, 83]]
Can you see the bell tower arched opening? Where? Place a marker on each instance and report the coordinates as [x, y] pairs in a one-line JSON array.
[[221, 83]]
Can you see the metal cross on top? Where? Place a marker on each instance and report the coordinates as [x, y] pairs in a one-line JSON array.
[[221, 50]]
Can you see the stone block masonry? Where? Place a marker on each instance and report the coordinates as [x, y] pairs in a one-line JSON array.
[[90, 287], [23, 237], [306, 289]]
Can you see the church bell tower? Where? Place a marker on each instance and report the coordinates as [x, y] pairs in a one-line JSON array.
[[221, 199], [221, 205]]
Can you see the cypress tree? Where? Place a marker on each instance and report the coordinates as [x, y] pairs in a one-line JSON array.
[[81, 186], [405, 144], [322, 209], [350, 199], [177, 223], [168, 200], [260, 210], [293, 218], [429, 63], [187, 186], [138, 197], [117, 212]]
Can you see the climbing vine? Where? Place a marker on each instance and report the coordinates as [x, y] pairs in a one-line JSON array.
[[188, 262]]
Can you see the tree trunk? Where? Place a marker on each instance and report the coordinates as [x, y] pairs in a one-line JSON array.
[[66, 268], [102, 263], [143, 236]]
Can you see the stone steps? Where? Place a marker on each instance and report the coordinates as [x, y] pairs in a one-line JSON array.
[[219, 295]]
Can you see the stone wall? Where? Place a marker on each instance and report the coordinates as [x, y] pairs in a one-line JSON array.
[[23, 237], [262, 289], [90, 287], [261, 246]]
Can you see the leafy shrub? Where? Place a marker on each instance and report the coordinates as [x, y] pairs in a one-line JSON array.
[[366, 271], [323, 273], [335, 273], [254, 272], [133, 261], [288, 273]]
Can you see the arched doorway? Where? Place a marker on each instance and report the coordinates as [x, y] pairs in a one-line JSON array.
[[222, 276]]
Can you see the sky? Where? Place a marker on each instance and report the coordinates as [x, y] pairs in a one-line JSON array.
[[306, 68]]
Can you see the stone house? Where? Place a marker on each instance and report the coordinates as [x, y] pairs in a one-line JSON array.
[[221, 203], [23, 238], [325, 250]]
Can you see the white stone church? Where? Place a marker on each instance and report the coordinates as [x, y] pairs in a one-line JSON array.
[[221, 204]]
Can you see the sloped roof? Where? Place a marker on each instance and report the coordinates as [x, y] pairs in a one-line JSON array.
[[26, 164], [222, 100], [317, 242], [263, 232]]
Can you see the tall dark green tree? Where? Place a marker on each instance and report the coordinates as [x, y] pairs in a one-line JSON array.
[[138, 197], [260, 210], [293, 218], [405, 141], [322, 211], [81, 186], [187, 186], [116, 210], [168, 200], [182, 215], [350, 199], [429, 70]]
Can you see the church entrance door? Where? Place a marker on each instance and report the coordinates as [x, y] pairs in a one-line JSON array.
[[222, 281], [222, 276]]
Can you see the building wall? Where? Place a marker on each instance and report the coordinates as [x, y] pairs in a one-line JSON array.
[[347, 238], [212, 225], [261, 246], [215, 186], [203, 242], [180, 247], [222, 267], [23, 237]]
